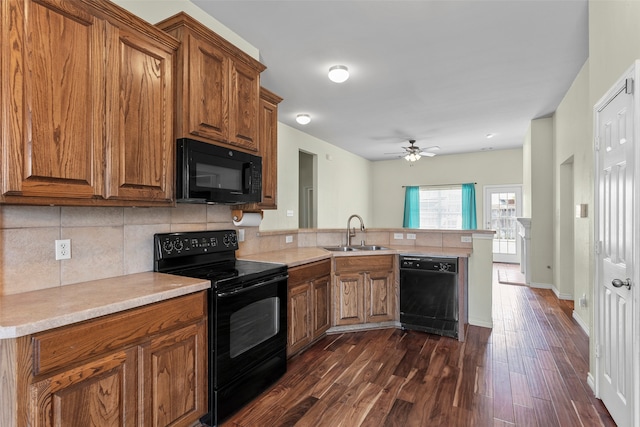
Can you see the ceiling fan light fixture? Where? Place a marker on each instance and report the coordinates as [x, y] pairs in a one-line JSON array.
[[303, 119], [338, 73], [412, 157]]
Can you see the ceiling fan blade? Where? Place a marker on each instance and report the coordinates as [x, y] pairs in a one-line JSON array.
[[427, 154], [432, 148]]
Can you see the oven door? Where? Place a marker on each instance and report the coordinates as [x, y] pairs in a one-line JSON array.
[[251, 326]]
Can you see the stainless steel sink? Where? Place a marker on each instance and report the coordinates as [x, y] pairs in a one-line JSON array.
[[370, 248], [339, 248], [355, 248]]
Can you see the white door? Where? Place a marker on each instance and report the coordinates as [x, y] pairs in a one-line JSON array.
[[502, 205], [614, 232]]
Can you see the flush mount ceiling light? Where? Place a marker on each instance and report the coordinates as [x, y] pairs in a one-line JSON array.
[[338, 73], [303, 119]]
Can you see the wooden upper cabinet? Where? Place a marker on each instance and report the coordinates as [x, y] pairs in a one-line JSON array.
[[268, 150], [205, 103], [244, 105], [86, 105], [140, 139], [218, 87], [53, 100]]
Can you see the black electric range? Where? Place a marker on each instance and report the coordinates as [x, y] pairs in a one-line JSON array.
[[247, 314]]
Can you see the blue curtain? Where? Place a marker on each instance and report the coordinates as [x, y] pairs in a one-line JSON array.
[[411, 208], [469, 207]]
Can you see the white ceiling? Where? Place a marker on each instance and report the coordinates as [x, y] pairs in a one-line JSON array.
[[444, 73]]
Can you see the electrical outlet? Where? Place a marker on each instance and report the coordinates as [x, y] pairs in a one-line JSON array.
[[411, 236], [288, 239], [583, 300], [63, 249], [465, 239], [241, 235], [289, 212], [398, 236]]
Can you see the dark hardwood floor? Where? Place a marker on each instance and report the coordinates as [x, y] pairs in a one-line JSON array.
[[529, 370]]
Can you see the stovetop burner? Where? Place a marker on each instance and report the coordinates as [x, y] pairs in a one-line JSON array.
[[208, 255]]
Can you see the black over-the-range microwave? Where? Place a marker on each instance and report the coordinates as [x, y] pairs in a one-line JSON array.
[[207, 173]]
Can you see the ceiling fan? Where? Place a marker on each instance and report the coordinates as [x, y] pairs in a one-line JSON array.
[[413, 152]]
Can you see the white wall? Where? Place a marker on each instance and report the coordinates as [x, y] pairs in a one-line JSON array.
[[542, 202], [573, 144], [344, 182], [484, 168], [154, 11], [614, 43]]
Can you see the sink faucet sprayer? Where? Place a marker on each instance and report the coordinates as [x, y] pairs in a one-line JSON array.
[[351, 233]]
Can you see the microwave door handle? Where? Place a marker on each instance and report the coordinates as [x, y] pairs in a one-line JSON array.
[[252, 287], [248, 167]]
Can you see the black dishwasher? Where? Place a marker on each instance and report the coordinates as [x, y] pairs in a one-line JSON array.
[[429, 294]]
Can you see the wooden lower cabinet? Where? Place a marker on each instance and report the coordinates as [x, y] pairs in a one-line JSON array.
[[309, 304], [100, 392], [364, 289], [143, 367]]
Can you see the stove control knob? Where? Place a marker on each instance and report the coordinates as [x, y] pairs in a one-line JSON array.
[[234, 239], [178, 245], [167, 246]]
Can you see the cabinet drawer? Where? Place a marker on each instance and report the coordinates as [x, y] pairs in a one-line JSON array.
[[307, 272], [71, 344], [362, 264]]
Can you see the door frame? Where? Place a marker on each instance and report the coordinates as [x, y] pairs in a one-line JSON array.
[[517, 258], [598, 318]]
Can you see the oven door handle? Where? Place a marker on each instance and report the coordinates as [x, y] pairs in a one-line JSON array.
[[252, 287]]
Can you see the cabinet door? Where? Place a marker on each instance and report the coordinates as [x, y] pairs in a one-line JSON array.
[[175, 372], [349, 299], [140, 135], [268, 150], [299, 327], [321, 308], [102, 392], [243, 109], [208, 94], [53, 62], [379, 296]]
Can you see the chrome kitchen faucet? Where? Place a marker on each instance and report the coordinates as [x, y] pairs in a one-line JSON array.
[[351, 233]]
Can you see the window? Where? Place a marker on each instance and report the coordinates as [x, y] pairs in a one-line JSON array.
[[441, 207]]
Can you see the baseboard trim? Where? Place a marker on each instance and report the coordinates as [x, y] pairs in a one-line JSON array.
[[481, 322], [592, 383], [580, 322], [540, 285], [555, 290], [363, 327]]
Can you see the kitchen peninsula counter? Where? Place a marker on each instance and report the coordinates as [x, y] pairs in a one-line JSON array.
[[298, 256], [36, 311]]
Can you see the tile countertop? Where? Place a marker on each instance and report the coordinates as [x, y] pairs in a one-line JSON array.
[[299, 256], [36, 311]]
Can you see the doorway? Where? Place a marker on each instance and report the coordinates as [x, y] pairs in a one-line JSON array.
[[616, 259], [502, 205], [307, 194]]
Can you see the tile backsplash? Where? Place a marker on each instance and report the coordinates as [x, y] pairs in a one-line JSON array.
[[109, 242], [105, 241]]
